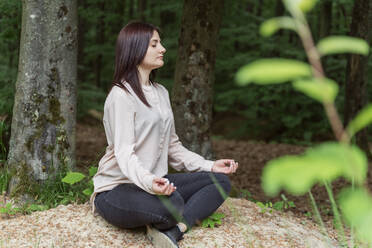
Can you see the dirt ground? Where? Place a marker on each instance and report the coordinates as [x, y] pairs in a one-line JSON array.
[[251, 155]]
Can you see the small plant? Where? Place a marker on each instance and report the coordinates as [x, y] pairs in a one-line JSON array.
[[265, 207], [284, 204], [214, 219], [279, 205], [10, 210], [75, 177], [247, 195], [308, 214]]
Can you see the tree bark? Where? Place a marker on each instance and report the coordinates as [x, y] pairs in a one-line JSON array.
[[259, 7], [357, 72], [100, 39], [193, 88], [131, 9], [325, 18], [142, 9], [81, 42], [42, 139]]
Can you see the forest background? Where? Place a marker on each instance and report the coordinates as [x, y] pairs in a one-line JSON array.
[[270, 113]]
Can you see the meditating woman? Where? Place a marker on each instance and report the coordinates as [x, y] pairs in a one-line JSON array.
[[132, 187]]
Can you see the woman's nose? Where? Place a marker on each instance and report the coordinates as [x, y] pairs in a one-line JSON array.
[[163, 50]]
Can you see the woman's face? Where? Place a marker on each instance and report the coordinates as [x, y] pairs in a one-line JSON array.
[[154, 55]]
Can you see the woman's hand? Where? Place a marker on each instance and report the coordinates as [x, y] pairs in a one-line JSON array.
[[227, 166], [161, 186]]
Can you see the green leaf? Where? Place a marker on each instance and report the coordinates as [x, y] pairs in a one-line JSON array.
[[261, 205], [363, 119], [342, 44], [87, 192], [205, 223], [307, 5], [92, 170], [217, 216], [36, 207], [272, 71], [326, 162], [303, 5], [356, 207], [278, 205], [320, 89], [291, 204], [211, 223], [73, 177], [269, 27]]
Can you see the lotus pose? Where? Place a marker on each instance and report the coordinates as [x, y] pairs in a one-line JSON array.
[[132, 187]]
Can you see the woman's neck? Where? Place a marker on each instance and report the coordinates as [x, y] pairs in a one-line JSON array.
[[144, 75]]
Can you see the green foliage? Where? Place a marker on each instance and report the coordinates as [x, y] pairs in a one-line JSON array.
[[89, 97], [326, 162], [73, 177], [342, 44], [269, 27], [272, 71], [278, 205], [4, 179], [356, 206], [323, 90], [76, 177], [9, 209], [3, 129], [363, 119], [212, 220], [265, 207]]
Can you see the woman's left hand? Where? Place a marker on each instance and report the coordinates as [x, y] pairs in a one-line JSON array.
[[226, 166]]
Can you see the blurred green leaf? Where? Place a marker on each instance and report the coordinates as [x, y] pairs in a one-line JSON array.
[[92, 170], [320, 89], [272, 25], [356, 207], [88, 192], [342, 44], [73, 177], [303, 5], [326, 162], [363, 119], [307, 5], [271, 71]]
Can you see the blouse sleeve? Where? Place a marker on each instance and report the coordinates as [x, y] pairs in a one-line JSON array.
[[121, 115], [181, 158]]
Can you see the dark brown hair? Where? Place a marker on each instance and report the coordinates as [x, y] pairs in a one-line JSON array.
[[131, 47]]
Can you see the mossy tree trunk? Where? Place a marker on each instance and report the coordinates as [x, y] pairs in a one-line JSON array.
[[357, 69], [192, 94], [43, 126]]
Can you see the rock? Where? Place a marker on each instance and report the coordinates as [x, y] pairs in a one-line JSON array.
[[243, 226]]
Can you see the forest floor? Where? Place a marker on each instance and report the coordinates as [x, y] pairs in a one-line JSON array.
[[251, 155]]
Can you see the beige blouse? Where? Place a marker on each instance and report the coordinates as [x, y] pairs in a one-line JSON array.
[[141, 141]]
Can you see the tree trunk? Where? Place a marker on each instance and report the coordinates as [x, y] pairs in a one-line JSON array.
[[325, 19], [193, 88], [357, 72], [81, 42], [42, 139], [259, 8], [100, 39], [142, 9], [131, 9]]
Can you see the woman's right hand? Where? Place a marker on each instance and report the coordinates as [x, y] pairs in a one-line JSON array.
[[161, 186]]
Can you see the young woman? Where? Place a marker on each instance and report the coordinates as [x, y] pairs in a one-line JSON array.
[[132, 187]]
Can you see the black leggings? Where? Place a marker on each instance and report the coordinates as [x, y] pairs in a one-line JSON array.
[[196, 197]]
